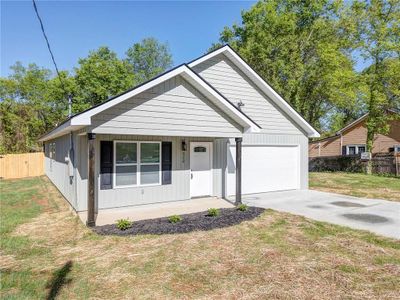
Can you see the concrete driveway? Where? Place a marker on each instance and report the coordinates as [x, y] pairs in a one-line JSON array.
[[378, 216]]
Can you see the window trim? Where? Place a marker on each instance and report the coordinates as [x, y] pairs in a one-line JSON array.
[[357, 151], [138, 164]]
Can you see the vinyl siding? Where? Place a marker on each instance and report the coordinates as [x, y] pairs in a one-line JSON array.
[[235, 86], [57, 169], [131, 196], [172, 108]]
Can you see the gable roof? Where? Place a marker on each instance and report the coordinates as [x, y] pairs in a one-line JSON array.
[[83, 119], [354, 123], [239, 62], [350, 125]]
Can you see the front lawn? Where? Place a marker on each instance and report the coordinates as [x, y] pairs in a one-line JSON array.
[[356, 184], [47, 252]]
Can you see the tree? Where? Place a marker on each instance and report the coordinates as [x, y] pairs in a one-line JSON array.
[[100, 76], [148, 59], [26, 111], [300, 48], [377, 33]]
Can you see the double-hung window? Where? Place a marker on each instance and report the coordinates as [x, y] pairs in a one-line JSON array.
[[137, 163]]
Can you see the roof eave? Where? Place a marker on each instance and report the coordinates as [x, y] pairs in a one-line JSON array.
[[84, 119]]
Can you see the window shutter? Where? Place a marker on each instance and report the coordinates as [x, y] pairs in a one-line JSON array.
[[166, 162], [106, 165], [343, 150]]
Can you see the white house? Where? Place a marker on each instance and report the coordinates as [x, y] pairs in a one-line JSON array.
[[209, 127]]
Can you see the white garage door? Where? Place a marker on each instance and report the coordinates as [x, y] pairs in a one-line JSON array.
[[265, 169]]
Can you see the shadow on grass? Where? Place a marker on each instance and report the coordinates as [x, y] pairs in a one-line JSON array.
[[58, 280]]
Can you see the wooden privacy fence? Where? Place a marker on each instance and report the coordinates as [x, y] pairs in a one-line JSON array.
[[21, 165], [385, 163]]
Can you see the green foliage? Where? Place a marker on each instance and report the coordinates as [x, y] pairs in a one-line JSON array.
[[300, 48], [100, 76], [148, 59], [242, 207], [377, 37], [124, 224], [33, 100], [175, 219], [213, 212]]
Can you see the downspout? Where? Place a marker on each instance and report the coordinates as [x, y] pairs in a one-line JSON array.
[[71, 166], [341, 144], [319, 149]]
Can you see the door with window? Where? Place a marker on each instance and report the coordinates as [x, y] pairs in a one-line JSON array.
[[200, 169]]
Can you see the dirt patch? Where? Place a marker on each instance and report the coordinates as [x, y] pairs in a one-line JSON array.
[[190, 222]]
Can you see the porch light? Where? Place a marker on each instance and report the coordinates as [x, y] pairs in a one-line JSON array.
[[184, 146]]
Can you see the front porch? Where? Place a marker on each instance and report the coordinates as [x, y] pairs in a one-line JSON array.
[[157, 210], [187, 175]]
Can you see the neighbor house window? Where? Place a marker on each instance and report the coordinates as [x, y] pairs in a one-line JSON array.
[[137, 163], [396, 148], [355, 149]]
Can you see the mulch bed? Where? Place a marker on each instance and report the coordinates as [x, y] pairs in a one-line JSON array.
[[190, 222]]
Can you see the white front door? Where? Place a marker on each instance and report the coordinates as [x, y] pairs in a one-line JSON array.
[[200, 169]]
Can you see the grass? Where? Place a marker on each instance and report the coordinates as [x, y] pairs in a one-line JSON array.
[[47, 253], [356, 184]]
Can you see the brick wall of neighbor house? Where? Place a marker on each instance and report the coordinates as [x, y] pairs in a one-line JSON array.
[[357, 135]]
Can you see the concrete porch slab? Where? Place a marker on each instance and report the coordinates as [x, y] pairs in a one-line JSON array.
[[157, 210]]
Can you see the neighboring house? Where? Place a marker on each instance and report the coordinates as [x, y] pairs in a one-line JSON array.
[[176, 137], [351, 140]]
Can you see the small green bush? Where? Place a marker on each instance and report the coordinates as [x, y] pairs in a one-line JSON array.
[[124, 224], [175, 219], [213, 212], [242, 207]]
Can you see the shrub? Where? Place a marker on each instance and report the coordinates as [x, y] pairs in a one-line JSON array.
[[242, 207], [175, 219], [124, 224], [213, 212]]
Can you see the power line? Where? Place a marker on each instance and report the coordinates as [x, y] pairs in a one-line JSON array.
[[48, 46]]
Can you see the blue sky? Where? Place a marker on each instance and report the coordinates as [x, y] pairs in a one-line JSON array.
[[75, 27]]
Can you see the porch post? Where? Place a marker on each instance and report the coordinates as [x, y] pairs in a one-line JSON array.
[[91, 180], [238, 199]]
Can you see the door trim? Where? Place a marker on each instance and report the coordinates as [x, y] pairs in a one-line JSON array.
[[211, 167]]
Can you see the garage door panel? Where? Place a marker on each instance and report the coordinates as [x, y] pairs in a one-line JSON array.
[[265, 169]]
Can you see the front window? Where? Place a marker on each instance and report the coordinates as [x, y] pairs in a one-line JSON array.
[[149, 163], [137, 163]]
